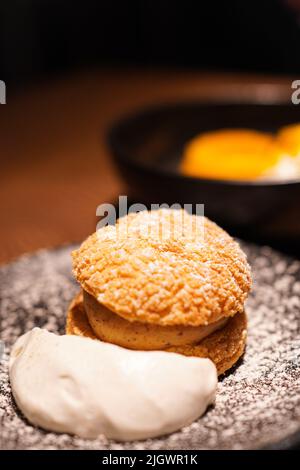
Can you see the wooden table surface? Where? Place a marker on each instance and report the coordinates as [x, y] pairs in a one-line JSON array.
[[55, 166]]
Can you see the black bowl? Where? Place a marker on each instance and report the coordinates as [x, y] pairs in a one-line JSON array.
[[147, 148]]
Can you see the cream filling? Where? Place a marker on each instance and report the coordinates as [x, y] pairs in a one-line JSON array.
[[112, 328], [85, 387]]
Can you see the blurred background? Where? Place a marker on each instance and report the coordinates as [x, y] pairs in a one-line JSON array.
[[73, 68], [40, 38]]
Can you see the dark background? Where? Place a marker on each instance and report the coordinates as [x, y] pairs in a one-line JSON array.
[[40, 38], [72, 69]]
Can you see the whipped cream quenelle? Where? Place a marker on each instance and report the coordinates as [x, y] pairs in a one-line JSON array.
[[86, 387]]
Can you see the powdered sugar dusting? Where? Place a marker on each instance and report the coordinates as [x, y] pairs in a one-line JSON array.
[[257, 404]]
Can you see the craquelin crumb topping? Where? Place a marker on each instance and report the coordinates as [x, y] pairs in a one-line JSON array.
[[156, 267]]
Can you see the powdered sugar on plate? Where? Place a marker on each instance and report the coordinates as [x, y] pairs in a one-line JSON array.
[[258, 403]]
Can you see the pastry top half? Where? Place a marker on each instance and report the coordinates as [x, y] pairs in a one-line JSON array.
[[164, 267]]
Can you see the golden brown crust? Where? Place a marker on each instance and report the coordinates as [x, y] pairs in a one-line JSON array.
[[179, 279], [77, 322], [224, 347]]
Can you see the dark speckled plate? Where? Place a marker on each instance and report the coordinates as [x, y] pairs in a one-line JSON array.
[[258, 403]]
